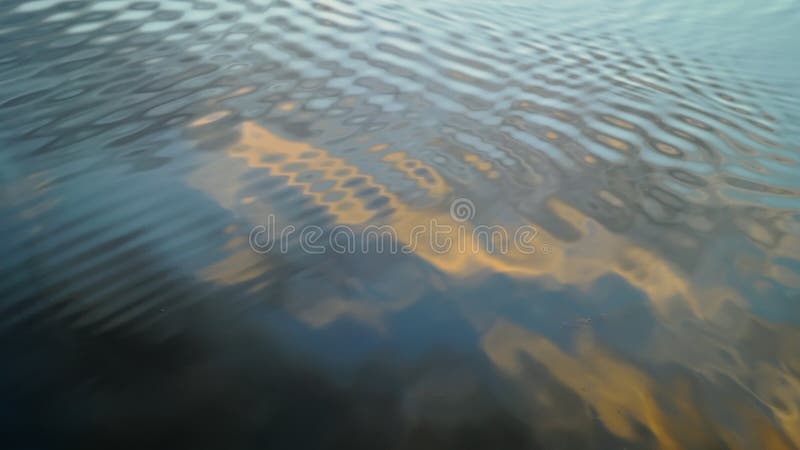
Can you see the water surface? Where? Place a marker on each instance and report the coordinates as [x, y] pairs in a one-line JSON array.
[[653, 146]]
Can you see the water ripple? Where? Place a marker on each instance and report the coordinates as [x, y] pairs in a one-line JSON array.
[[653, 145]]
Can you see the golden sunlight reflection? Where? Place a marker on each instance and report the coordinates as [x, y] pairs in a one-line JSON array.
[[579, 263], [623, 396], [702, 325]]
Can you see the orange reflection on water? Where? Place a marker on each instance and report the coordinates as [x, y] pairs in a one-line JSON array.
[[423, 175], [598, 253], [290, 159], [625, 395]]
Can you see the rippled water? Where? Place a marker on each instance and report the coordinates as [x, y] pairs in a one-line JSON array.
[[654, 146]]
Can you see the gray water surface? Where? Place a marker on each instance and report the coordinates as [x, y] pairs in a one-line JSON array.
[[651, 147]]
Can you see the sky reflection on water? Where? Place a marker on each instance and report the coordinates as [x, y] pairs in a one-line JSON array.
[[652, 145]]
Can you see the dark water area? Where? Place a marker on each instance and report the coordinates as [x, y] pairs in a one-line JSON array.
[[154, 151]]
